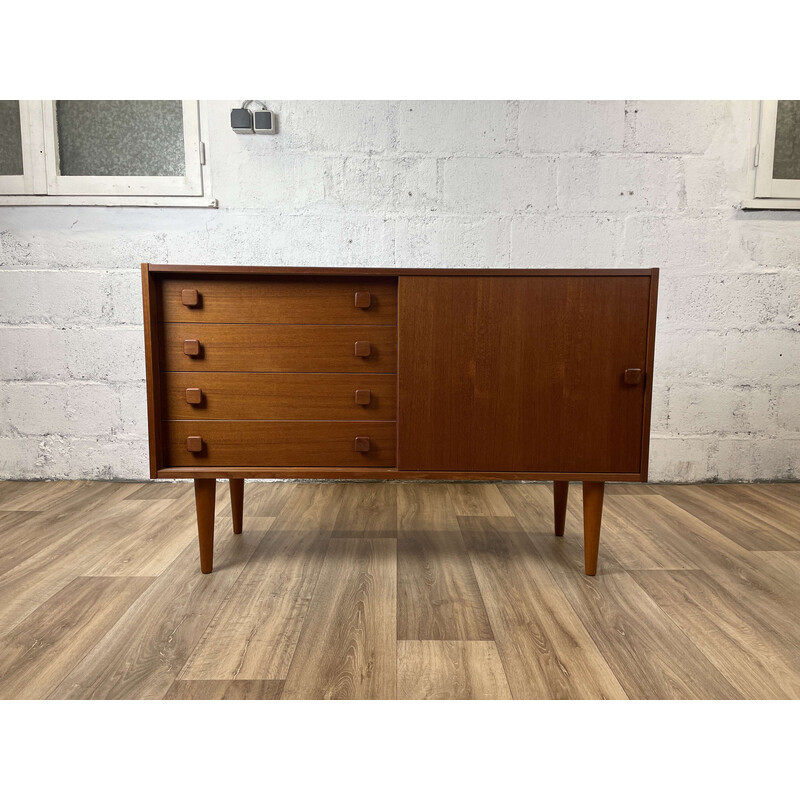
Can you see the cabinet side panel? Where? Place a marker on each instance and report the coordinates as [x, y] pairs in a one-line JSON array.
[[648, 389], [522, 373], [150, 302]]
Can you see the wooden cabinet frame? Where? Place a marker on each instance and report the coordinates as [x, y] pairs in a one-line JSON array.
[[152, 277]]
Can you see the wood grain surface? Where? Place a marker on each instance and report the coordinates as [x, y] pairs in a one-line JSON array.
[[646, 649], [49, 642], [283, 299], [367, 511], [255, 395], [347, 649], [437, 593], [532, 368], [251, 443], [254, 634], [100, 595], [440, 670], [225, 690], [279, 348], [546, 650]]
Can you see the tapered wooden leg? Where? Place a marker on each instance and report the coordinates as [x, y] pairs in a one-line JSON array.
[[237, 503], [205, 490], [592, 515], [560, 492]]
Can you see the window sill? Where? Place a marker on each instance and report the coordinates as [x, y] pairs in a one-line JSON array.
[[97, 200], [774, 203]]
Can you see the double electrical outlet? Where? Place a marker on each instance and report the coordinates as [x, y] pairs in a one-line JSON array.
[[244, 120]]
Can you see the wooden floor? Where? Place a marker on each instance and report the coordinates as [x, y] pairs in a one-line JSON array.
[[398, 590]]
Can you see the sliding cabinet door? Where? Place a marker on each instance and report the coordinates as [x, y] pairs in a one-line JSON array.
[[522, 374]]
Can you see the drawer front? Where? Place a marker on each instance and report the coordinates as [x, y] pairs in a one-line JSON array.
[[279, 348], [266, 396], [312, 301], [279, 444]]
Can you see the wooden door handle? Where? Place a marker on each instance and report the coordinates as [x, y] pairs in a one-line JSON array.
[[190, 297], [194, 396], [363, 299], [633, 376], [194, 444], [363, 397], [363, 349], [362, 444], [191, 347]]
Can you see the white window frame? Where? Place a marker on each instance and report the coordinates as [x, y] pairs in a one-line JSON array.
[[33, 180], [766, 191], [41, 183]]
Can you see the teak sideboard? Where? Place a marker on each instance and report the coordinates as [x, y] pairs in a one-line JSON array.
[[381, 374]]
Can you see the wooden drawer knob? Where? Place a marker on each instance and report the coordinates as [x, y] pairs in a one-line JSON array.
[[362, 444], [194, 397], [190, 297], [363, 349], [363, 299], [191, 347], [194, 444], [363, 397], [633, 376]]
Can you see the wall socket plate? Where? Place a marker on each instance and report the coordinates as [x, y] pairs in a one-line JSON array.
[[241, 120], [264, 122]]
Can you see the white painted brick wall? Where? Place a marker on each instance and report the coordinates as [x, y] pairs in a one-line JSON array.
[[502, 185], [558, 126], [620, 183], [409, 183], [446, 128]]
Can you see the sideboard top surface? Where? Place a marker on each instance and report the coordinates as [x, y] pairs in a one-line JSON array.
[[388, 271]]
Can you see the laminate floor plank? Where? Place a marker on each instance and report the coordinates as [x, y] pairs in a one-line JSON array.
[[85, 539], [478, 500], [25, 533], [772, 509], [732, 566], [425, 507], [635, 535], [313, 507], [649, 654], [254, 634], [755, 658], [36, 495], [225, 690], [155, 533], [665, 536], [367, 511], [68, 497], [442, 670], [614, 489], [141, 656], [781, 566], [437, 593], [545, 648], [37, 654], [265, 498], [162, 490], [347, 648], [732, 514], [786, 492]]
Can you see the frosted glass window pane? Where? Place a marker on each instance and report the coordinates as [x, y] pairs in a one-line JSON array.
[[786, 165], [120, 137], [10, 138]]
